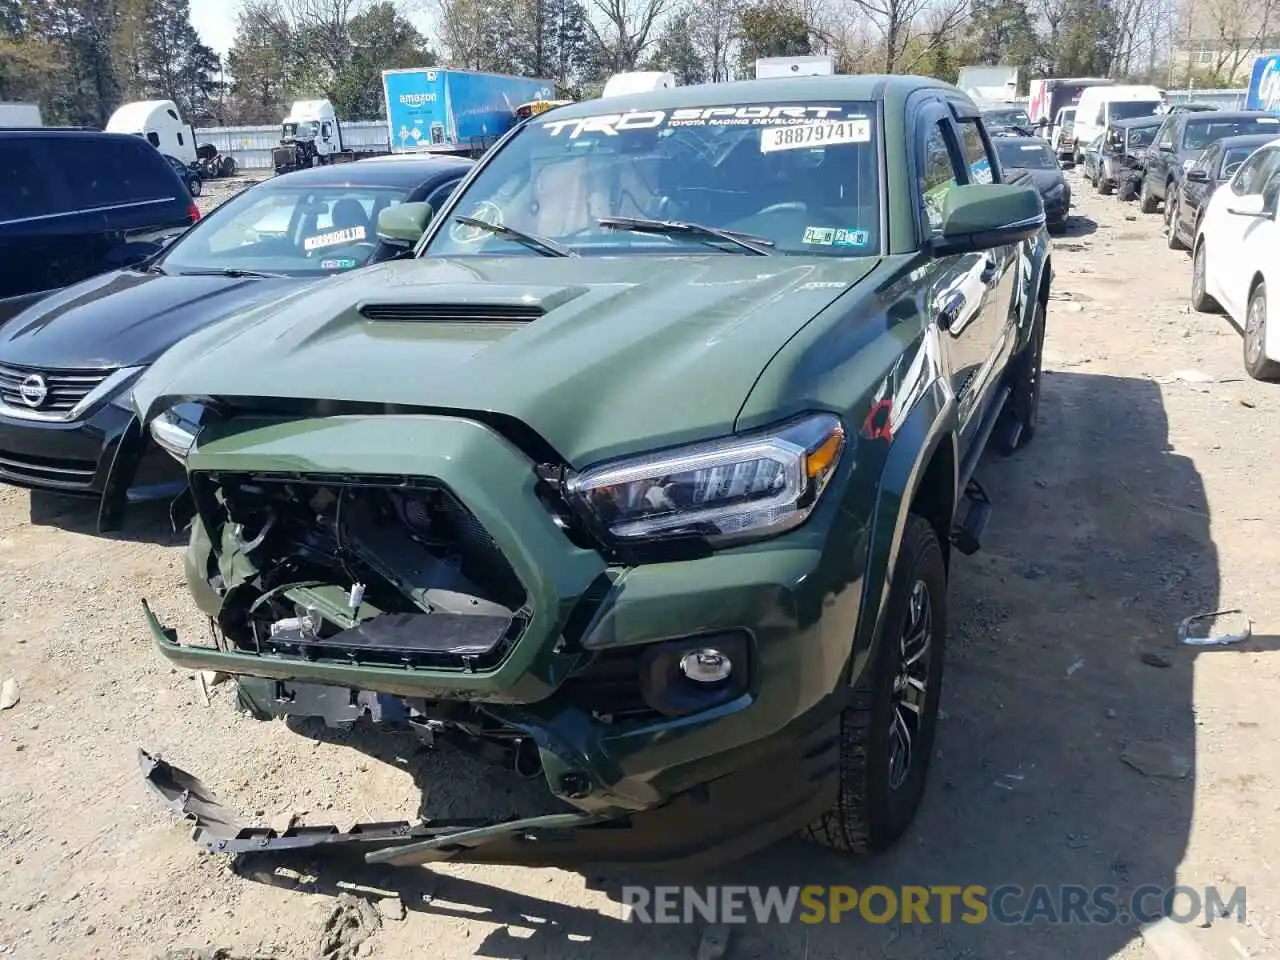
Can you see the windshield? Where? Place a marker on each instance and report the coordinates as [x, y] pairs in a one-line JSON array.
[[1142, 136], [1232, 159], [1200, 133], [1027, 156], [296, 231], [801, 176], [1131, 109], [1007, 118]]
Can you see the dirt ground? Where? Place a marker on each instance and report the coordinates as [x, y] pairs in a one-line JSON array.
[[1145, 498]]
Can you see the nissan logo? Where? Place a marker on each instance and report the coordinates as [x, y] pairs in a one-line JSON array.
[[33, 390]]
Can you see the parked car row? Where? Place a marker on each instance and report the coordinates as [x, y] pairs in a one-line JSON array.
[[148, 278], [1215, 176]]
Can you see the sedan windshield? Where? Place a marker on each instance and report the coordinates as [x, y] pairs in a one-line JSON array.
[[785, 178], [1026, 156], [1200, 133], [1009, 118], [295, 231]]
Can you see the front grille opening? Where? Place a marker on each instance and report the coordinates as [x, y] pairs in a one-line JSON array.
[[608, 688], [365, 570], [452, 312]]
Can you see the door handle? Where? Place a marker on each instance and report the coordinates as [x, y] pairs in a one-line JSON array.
[[989, 268], [950, 311]]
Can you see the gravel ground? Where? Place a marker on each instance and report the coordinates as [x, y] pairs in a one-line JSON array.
[[1143, 500]]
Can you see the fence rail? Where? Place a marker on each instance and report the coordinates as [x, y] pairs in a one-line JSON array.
[[251, 146]]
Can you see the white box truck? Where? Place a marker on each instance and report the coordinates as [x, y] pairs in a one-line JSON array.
[[20, 115]]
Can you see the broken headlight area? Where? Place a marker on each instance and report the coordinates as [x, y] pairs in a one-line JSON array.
[[359, 569]]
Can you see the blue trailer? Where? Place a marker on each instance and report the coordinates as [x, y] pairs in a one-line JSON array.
[[1264, 84], [455, 111]]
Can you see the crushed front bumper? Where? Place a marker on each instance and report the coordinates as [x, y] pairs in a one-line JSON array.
[[651, 787]]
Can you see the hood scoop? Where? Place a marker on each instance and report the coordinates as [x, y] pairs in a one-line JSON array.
[[452, 312], [453, 302]]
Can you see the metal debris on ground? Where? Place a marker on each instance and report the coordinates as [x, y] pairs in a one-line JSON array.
[[9, 695], [1191, 376], [1076, 665], [352, 922], [1218, 629], [1154, 759]]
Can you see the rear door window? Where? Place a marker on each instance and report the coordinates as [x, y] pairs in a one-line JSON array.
[[27, 192], [106, 172]]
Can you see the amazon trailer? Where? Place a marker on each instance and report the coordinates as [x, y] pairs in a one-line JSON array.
[[771, 68], [1264, 84], [458, 112], [20, 115]]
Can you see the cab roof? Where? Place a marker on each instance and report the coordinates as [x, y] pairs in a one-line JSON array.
[[892, 89]]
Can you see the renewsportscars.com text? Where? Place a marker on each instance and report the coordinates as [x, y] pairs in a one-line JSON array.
[[972, 904]]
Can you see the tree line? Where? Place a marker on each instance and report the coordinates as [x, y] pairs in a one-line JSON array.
[[79, 59]]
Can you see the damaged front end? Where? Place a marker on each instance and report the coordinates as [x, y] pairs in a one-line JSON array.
[[345, 578]]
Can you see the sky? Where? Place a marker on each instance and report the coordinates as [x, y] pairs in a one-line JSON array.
[[215, 21]]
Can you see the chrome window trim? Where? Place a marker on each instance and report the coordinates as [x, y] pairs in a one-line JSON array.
[[82, 211]]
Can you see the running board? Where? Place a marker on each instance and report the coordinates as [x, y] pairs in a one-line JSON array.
[[966, 535]]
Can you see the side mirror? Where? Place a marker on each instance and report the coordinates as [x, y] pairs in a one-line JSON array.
[[404, 224], [1197, 175], [979, 216], [1253, 205]]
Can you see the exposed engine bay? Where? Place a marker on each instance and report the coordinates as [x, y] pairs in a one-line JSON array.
[[384, 573]]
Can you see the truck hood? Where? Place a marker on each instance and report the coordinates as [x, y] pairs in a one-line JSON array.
[[123, 318], [612, 355]]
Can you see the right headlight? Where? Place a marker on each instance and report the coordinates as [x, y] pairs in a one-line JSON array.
[[742, 487], [175, 430]]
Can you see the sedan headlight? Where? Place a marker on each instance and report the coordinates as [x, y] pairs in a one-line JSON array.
[[175, 430], [748, 486]]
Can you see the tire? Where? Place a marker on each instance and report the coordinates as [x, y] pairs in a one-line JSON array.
[[1106, 188], [195, 186], [1171, 220], [1146, 198], [871, 812], [1125, 191], [1256, 363], [1201, 302]]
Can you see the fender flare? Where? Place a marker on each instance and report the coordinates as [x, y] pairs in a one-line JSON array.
[[931, 424]]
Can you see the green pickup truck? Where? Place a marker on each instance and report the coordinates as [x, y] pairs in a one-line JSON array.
[[581, 481]]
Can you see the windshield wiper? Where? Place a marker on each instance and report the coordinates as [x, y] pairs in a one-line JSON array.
[[548, 248], [744, 241], [235, 273]]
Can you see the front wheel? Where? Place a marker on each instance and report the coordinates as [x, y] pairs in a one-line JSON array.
[[195, 186], [886, 732], [1106, 188], [1201, 302], [1256, 363], [1146, 198]]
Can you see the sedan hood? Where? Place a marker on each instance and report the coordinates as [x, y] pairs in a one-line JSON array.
[[599, 356], [124, 318]]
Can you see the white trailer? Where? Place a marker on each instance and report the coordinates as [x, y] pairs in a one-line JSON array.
[[771, 68], [20, 115], [159, 123], [991, 85], [637, 81]]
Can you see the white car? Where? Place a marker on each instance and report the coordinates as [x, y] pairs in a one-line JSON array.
[[1236, 259]]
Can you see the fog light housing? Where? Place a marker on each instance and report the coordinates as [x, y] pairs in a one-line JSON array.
[[706, 665], [690, 674]]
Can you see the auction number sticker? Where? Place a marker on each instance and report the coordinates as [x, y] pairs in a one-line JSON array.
[[819, 133], [350, 235]]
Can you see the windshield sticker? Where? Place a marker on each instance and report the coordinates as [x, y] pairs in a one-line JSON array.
[[762, 115], [852, 238], [816, 134], [823, 235], [1034, 148], [349, 235], [344, 263]]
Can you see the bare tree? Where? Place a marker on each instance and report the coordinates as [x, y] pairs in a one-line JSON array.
[[627, 30], [714, 25], [899, 22]]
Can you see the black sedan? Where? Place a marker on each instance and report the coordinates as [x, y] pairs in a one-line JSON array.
[[1033, 158], [193, 180], [1208, 171], [69, 361]]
